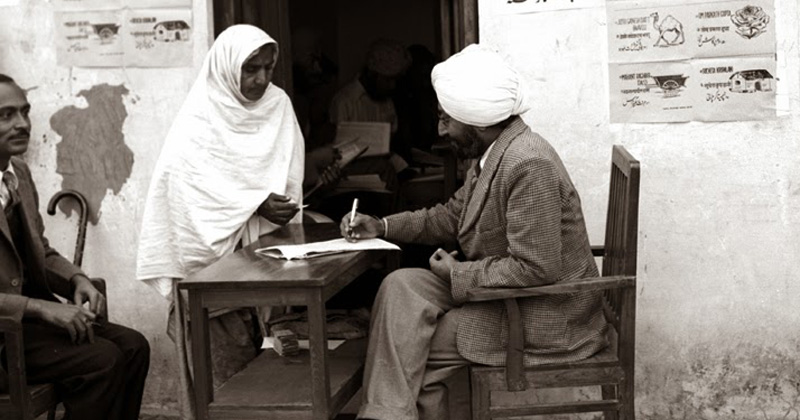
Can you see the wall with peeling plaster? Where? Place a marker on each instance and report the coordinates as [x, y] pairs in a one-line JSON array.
[[151, 98], [718, 224], [719, 219]]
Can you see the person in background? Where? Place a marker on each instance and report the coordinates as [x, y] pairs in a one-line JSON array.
[[518, 223], [99, 367], [368, 98], [231, 169]]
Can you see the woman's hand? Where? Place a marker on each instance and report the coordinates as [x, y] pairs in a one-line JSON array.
[[278, 209]]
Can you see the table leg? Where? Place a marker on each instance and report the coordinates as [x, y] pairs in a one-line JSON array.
[[201, 355], [318, 346]]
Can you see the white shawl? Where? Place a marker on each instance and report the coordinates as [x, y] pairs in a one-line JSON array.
[[222, 158]]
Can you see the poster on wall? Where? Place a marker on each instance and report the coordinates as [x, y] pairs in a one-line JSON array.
[[84, 5], [149, 4], [714, 29], [502, 7], [89, 39], [710, 61], [714, 89], [158, 38]]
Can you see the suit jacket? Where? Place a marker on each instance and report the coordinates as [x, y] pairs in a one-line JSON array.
[[519, 224], [46, 270]]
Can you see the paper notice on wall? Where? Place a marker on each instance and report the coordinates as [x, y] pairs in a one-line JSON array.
[[711, 61], [158, 38], [502, 7], [711, 29], [89, 39], [735, 89], [84, 5], [651, 92], [715, 89], [147, 4]]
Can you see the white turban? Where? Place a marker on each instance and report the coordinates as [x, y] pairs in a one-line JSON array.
[[477, 87]]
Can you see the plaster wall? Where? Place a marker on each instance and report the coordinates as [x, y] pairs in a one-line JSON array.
[[718, 223], [153, 97]]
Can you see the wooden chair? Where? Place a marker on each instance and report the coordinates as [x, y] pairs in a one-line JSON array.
[[611, 369]]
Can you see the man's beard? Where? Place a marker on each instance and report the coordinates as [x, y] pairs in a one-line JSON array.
[[470, 146]]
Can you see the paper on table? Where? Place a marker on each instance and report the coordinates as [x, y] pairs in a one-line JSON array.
[[316, 249], [269, 343]]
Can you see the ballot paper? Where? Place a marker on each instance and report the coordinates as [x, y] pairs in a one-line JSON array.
[[317, 249]]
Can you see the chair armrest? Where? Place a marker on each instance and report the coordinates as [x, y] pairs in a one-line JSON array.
[[100, 285], [598, 250], [572, 286], [17, 381], [9, 324]]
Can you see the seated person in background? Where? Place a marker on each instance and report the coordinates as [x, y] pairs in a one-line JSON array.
[[368, 99], [518, 222], [231, 169], [99, 367]]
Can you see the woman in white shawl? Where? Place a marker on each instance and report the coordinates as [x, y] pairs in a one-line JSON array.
[[231, 168]]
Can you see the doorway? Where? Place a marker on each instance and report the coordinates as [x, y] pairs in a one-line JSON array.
[[347, 27]]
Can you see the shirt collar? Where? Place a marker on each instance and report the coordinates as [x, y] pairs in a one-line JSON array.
[[14, 178], [486, 154]]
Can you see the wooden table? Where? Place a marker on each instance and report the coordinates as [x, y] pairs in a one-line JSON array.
[[274, 387]]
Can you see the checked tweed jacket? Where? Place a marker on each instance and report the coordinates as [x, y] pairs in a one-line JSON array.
[[519, 224]]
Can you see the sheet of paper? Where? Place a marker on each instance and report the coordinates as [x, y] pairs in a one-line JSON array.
[[269, 343], [501, 7], [375, 135], [84, 5], [668, 32], [7, 3], [698, 61], [144, 4], [158, 38], [316, 249], [89, 39]]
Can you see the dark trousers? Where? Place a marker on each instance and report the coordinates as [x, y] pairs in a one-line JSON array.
[[102, 381]]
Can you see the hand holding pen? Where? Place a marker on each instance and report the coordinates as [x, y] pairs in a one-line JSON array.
[[355, 226]]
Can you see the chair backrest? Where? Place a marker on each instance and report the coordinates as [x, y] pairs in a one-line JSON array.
[[619, 257]]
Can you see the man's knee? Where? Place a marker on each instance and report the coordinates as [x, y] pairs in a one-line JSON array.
[[107, 359], [136, 346], [403, 280]]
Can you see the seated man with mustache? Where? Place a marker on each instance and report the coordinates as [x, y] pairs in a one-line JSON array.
[[99, 367]]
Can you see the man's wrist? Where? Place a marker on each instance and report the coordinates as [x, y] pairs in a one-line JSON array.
[[79, 278], [385, 225]]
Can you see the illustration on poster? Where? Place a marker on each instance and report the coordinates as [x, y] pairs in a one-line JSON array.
[[670, 31], [172, 31], [750, 21], [749, 81], [106, 31]]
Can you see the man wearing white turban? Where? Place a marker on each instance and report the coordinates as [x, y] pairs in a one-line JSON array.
[[518, 222]]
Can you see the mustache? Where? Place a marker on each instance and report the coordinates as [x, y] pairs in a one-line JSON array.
[[22, 132]]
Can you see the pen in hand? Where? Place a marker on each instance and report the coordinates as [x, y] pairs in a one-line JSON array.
[[352, 220]]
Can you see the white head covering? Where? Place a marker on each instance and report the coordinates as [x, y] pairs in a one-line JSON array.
[[477, 87], [221, 159]]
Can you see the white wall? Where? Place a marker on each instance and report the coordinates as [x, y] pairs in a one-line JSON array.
[[719, 219], [27, 53]]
